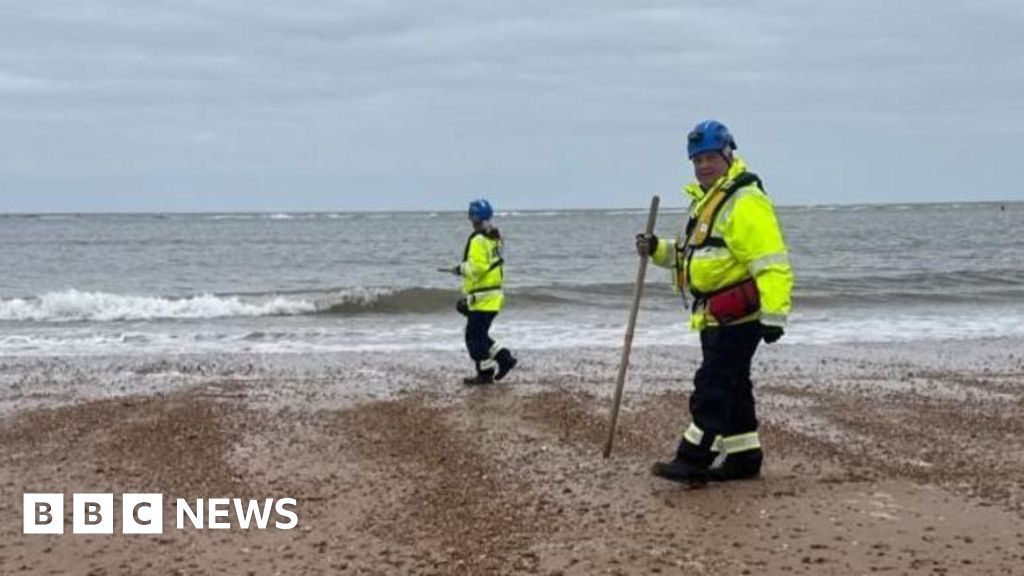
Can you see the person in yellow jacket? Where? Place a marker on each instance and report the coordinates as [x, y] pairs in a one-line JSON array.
[[482, 271], [732, 267]]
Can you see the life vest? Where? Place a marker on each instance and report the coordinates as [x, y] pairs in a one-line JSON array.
[[732, 302]]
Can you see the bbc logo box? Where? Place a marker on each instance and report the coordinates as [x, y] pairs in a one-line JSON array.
[[93, 513]]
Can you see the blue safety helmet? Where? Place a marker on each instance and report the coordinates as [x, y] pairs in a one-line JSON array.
[[480, 210], [709, 136]]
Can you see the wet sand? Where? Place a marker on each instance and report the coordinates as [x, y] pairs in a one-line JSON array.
[[879, 460]]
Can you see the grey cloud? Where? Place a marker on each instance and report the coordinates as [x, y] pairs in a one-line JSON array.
[[323, 104]]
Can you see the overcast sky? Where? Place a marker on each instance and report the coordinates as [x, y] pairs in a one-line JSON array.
[[252, 105]]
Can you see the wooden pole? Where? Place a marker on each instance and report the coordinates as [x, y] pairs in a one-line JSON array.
[[638, 291]]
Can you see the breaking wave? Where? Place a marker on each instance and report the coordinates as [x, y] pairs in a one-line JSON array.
[[74, 306]]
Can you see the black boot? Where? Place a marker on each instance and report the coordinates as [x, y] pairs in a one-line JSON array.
[[482, 377], [506, 362], [739, 466], [679, 470]]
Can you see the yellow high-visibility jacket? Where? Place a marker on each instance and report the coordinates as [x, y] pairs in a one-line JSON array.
[[482, 272], [753, 247]]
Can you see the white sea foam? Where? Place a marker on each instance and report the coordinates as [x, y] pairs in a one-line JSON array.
[[78, 306], [73, 305]]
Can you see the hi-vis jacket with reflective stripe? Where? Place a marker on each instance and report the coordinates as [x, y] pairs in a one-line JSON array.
[[482, 273], [753, 247]]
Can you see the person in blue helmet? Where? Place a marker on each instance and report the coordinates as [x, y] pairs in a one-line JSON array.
[[482, 271], [732, 266]]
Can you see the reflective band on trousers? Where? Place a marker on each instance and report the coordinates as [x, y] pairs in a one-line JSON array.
[[693, 435], [728, 444], [741, 442], [490, 363]]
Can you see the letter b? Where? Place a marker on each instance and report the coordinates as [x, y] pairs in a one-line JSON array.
[[93, 514], [43, 513]]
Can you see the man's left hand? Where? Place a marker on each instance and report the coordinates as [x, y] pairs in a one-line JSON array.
[[771, 334]]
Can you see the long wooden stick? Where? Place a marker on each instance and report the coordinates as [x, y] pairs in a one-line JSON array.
[[638, 292]]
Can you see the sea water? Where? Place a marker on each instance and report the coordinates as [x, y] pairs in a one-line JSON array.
[[111, 284]]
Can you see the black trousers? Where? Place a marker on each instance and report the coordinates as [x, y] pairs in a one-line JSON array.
[[722, 402], [478, 339]]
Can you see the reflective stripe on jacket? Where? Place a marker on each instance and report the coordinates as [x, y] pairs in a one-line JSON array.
[[482, 273], [753, 247]]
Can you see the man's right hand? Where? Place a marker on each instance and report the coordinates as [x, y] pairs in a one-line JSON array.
[[646, 244]]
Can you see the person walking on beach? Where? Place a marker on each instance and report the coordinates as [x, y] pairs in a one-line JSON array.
[[482, 272], [732, 262]]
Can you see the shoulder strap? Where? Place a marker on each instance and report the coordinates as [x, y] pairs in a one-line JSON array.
[[699, 228], [465, 251], [495, 237]]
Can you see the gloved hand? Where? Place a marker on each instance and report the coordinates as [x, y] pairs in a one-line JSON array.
[[646, 244], [462, 307], [457, 270], [771, 333]]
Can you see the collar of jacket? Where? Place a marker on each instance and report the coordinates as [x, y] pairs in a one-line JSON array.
[[698, 195]]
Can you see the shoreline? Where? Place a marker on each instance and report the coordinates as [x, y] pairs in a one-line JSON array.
[[335, 378], [877, 459]]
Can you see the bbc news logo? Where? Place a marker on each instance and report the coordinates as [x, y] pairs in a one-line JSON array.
[[144, 513]]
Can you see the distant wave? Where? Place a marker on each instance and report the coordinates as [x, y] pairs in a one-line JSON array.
[[274, 216], [529, 214], [231, 217]]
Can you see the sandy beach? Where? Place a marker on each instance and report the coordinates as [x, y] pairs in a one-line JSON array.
[[880, 459]]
